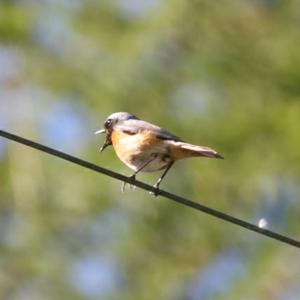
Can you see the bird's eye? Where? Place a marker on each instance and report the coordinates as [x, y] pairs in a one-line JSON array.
[[108, 123]]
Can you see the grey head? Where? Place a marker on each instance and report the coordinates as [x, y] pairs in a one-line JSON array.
[[117, 117], [109, 124]]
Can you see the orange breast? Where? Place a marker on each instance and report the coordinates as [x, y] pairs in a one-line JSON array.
[[119, 140], [129, 146], [117, 137]]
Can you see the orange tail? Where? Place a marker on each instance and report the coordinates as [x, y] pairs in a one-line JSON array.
[[181, 150]]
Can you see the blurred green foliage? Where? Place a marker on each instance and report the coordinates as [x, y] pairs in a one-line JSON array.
[[218, 73]]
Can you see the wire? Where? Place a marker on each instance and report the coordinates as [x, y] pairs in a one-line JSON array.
[[170, 196]]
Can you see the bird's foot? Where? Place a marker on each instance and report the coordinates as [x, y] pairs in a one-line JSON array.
[[156, 189], [131, 186]]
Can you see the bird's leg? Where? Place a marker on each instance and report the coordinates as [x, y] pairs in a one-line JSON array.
[[132, 177], [156, 185]]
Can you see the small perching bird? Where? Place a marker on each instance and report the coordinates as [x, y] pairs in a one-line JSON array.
[[145, 147]]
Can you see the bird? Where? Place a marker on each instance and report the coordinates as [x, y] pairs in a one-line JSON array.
[[145, 147]]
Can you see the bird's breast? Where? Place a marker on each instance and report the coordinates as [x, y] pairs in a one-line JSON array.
[[135, 150]]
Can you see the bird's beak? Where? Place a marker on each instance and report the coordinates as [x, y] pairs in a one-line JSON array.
[[100, 131], [107, 140], [106, 143]]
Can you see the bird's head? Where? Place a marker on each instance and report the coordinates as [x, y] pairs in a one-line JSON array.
[[110, 123]]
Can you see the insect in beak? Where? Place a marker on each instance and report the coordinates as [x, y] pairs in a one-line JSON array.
[[107, 140]]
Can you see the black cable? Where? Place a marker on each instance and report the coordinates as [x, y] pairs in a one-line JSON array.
[[149, 188]]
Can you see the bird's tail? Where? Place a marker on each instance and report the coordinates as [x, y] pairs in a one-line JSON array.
[[181, 150]]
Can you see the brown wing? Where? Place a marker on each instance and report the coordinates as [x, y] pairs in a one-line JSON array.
[[136, 126]]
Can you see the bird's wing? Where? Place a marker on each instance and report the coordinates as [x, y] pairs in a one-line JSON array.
[[138, 126]]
